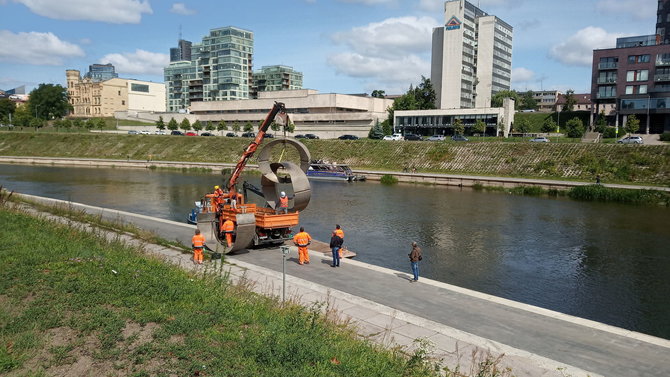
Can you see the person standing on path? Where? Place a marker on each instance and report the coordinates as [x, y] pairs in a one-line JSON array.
[[198, 243], [339, 231], [414, 258], [228, 228], [301, 240], [335, 245]]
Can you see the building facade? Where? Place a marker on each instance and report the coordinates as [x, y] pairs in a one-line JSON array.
[[182, 52], [103, 98], [101, 72], [471, 57], [546, 100], [276, 77], [663, 21], [220, 69]]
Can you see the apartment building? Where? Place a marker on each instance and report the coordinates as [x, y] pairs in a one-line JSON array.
[[275, 77]]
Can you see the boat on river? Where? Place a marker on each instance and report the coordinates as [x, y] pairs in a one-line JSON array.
[[320, 169], [192, 217]]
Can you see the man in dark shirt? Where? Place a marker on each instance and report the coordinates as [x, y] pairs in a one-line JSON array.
[[335, 245], [414, 258]]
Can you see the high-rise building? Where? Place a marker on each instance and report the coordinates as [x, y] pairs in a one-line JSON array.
[[101, 72], [220, 68], [181, 52], [275, 77], [471, 57], [634, 78]]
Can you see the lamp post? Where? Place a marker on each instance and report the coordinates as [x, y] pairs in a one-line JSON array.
[[648, 105], [284, 252]]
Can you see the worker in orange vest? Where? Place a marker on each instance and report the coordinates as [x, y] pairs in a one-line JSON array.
[[228, 227], [283, 203], [301, 240], [218, 196], [198, 243], [339, 231]]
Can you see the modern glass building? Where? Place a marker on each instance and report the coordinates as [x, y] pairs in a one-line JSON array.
[[220, 69], [101, 72], [276, 77], [471, 57], [181, 52]]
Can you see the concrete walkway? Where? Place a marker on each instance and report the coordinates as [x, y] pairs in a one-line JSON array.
[[457, 322]]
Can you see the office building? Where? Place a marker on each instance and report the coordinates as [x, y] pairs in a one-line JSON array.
[[634, 77], [275, 77], [181, 52], [101, 72], [663, 21], [471, 57], [220, 69]]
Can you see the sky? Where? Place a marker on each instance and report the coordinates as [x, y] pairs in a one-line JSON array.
[[340, 46]]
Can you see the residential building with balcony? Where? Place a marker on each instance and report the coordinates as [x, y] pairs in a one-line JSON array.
[[275, 77], [546, 100], [220, 68]]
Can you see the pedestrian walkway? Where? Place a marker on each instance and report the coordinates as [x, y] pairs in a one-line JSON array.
[[387, 309]]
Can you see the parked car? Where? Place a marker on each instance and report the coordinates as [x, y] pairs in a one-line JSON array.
[[540, 139], [631, 140], [459, 138], [436, 138], [348, 137], [132, 132], [300, 136], [395, 137], [271, 136], [248, 134], [190, 133], [160, 132], [206, 134], [311, 136], [178, 133], [145, 132], [231, 134], [413, 137]]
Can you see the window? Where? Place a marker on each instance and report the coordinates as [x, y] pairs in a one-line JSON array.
[[633, 59], [139, 88], [639, 75], [642, 89], [629, 89], [123, 102]]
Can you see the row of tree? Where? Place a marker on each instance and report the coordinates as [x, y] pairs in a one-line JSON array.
[[221, 126]]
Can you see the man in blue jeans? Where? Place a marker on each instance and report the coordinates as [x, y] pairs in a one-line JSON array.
[[414, 258], [335, 246]]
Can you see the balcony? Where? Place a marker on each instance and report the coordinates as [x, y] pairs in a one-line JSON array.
[[662, 77], [662, 62], [605, 95], [606, 80], [608, 65]]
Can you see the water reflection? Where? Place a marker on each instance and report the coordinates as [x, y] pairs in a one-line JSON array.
[[604, 262]]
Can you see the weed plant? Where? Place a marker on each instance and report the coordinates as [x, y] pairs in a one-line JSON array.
[[610, 194], [388, 179]]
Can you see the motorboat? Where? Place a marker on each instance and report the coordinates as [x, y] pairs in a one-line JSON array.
[[192, 217], [320, 169]]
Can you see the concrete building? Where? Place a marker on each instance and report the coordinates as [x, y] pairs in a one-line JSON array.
[[103, 98], [101, 72], [220, 69], [182, 52], [275, 77], [441, 121], [634, 77], [471, 57], [546, 100]]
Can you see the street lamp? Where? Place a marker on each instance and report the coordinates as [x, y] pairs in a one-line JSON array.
[[648, 105]]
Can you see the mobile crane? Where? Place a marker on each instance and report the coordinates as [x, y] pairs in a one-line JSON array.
[[256, 225]]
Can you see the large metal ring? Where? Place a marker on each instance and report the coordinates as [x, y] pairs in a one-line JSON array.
[[301, 189]]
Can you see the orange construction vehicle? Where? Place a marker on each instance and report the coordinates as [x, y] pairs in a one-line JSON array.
[[253, 224]]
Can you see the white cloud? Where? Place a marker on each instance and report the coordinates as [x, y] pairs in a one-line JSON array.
[[578, 49], [140, 62], [111, 11], [438, 5], [369, 2], [36, 48], [180, 8], [520, 75], [639, 9]]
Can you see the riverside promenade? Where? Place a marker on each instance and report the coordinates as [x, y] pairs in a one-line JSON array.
[[387, 309]]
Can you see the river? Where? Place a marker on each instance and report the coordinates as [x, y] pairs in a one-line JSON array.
[[605, 262]]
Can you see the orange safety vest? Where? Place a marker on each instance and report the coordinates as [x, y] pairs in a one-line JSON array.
[[339, 233], [283, 202], [198, 241], [228, 226], [218, 192], [302, 239]]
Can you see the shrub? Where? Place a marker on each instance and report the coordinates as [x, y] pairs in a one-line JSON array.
[[609, 133], [388, 179], [665, 136], [575, 128], [610, 194]]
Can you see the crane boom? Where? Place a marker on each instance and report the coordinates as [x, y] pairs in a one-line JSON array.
[[277, 109]]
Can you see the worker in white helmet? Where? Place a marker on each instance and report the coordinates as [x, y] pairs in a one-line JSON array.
[[283, 203]]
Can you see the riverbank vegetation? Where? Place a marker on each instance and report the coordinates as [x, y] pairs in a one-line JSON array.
[[75, 302], [615, 163]]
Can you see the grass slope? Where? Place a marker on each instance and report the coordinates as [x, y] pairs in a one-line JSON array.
[[572, 161], [72, 303]]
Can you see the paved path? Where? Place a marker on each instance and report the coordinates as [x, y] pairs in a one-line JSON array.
[[388, 309]]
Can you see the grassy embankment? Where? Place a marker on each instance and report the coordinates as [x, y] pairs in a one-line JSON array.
[[73, 302], [564, 161]]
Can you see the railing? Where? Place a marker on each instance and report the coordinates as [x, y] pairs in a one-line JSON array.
[[605, 95], [606, 80], [608, 65], [662, 77], [662, 62]]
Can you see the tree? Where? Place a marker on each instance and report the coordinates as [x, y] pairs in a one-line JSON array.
[[575, 128], [58, 123], [570, 101], [221, 126], [90, 123], [49, 101], [236, 127], [479, 127], [497, 99], [459, 128], [378, 94], [522, 125], [36, 123], [77, 123], [376, 132], [601, 122], [7, 107], [528, 101], [248, 127], [185, 124], [197, 126], [210, 126], [549, 125], [289, 127], [172, 125], [101, 123], [387, 127], [22, 117], [632, 125], [274, 126], [420, 98], [67, 124], [160, 124]]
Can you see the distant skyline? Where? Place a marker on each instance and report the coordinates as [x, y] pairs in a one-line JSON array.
[[341, 46]]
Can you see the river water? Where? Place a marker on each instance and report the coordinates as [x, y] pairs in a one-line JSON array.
[[605, 262]]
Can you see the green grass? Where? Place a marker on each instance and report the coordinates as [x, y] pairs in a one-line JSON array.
[[65, 281], [556, 160]]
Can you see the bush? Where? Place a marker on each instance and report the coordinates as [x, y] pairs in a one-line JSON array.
[[388, 179], [575, 128], [609, 194], [609, 133], [665, 136]]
